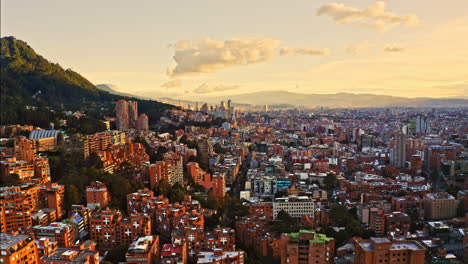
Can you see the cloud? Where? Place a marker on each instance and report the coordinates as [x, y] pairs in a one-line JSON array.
[[172, 84], [359, 48], [285, 51], [206, 55], [374, 16], [393, 48], [209, 88]]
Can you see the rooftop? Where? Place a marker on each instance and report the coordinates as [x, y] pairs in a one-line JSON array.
[[210, 256], [8, 240], [317, 237]]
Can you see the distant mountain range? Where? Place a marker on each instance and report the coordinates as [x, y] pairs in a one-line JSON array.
[[111, 89], [284, 99]]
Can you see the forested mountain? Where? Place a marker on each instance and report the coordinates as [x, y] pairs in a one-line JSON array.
[[28, 79]]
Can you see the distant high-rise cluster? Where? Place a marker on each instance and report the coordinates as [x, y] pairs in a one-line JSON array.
[[224, 110], [127, 116]]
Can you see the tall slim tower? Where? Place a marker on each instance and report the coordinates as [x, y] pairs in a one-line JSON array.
[[400, 149], [142, 123], [421, 124], [121, 111], [132, 113]]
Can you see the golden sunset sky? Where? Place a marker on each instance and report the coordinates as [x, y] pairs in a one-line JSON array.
[[198, 48]]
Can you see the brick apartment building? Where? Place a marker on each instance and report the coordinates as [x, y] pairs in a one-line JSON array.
[[174, 254], [52, 195], [307, 246], [144, 250], [97, 195], [109, 228], [261, 209], [64, 234], [382, 250], [18, 249]]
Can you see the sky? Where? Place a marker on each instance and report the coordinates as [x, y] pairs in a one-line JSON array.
[[191, 49]]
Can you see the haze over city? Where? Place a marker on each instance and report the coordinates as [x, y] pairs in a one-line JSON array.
[[234, 132], [201, 49]]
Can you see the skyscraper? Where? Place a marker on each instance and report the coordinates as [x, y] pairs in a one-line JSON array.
[[142, 123], [400, 150], [126, 114], [421, 124], [121, 110], [132, 113]]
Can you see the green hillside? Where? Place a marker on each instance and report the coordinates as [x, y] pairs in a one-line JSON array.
[[28, 79]]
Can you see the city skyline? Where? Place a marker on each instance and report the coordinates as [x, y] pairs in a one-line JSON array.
[[207, 48]]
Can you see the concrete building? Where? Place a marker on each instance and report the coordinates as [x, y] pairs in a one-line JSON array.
[[440, 206], [295, 206], [399, 151], [421, 125]]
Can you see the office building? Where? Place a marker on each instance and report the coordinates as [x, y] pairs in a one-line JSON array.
[[440, 206], [295, 206]]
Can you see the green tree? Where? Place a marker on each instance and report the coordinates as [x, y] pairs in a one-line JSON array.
[[72, 195], [339, 214], [162, 188], [219, 149], [284, 223], [11, 180], [330, 181], [176, 193], [117, 254]]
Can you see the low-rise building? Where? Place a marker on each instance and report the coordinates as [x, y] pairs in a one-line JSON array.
[[382, 250], [18, 249], [144, 250], [219, 256]]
